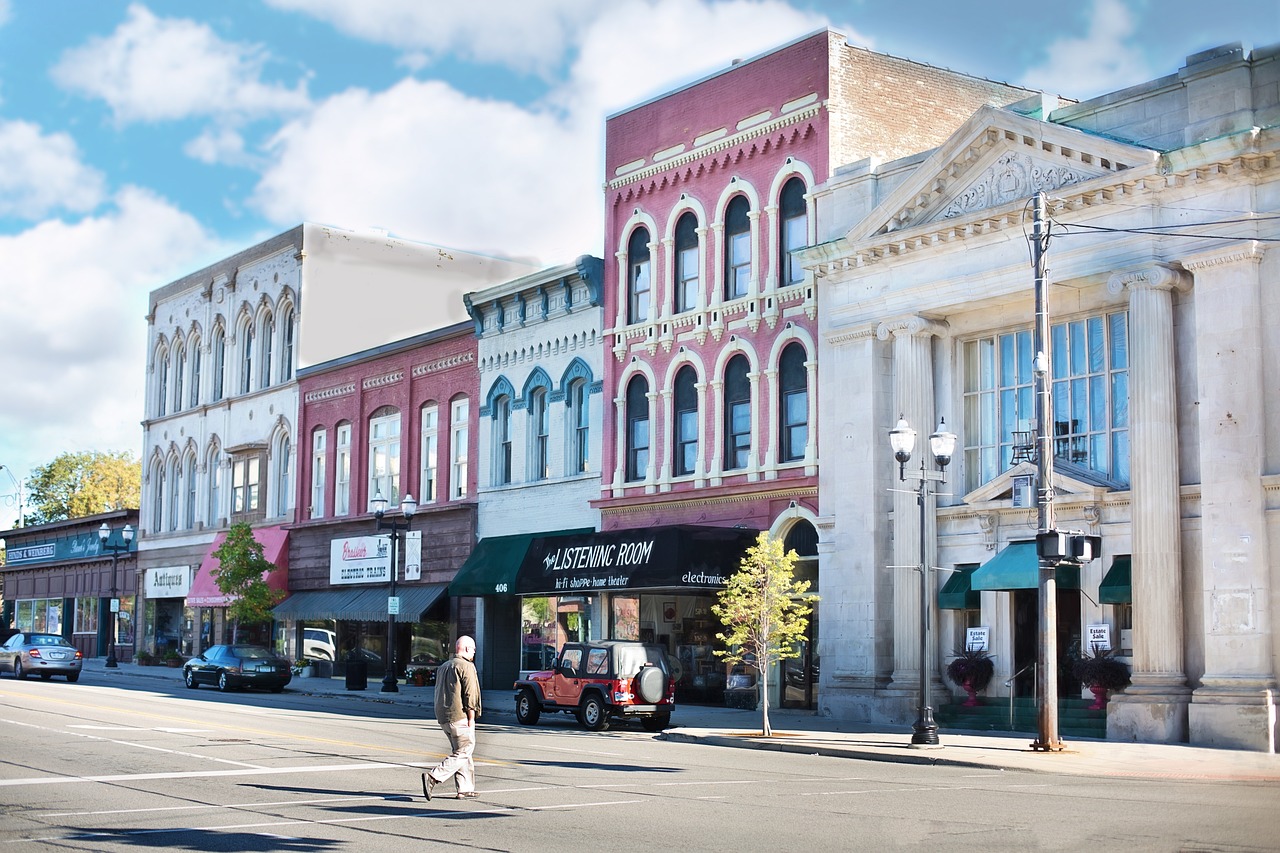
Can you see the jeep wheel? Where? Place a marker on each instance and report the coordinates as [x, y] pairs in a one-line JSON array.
[[527, 708], [650, 685], [593, 715], [656, 723]]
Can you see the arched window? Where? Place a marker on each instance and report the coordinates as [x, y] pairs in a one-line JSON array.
[[793, 403], [286, 351], [189, 497], [342, 470], [268, 338], [737, 248], [158, 491], [173, 499], [685, 428], [638, 278], [384, 456], [213, 464], [687, 263], [219, 351], [637, 428], [179, 370], [195, 374], [430, 447], [284, 452], [459, 436], [539, 435], [579, 427], [793, 230], [502, 441], [319, 437], [162, 383], [246, 358], [737, 414]]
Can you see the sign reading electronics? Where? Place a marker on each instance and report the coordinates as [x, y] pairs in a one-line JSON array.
[[360, 559]]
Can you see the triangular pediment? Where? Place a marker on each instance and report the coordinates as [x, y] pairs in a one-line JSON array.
[[996, 161], [1068, 480]]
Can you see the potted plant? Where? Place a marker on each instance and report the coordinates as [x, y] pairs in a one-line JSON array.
[[145, 659], [302, 667], [1100, 672], [172, 658], [418, 676], [971, 669]]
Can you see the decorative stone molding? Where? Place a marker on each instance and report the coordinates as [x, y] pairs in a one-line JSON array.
[[1249, 251], [1154, 277], [443, 364], [912, 325], [380, 381], [990, 524], [330, 393], [1014, 175]]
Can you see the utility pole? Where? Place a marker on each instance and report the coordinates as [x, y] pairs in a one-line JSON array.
[[1047, 668]]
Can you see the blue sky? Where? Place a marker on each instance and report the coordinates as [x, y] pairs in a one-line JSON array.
[[142, 141]]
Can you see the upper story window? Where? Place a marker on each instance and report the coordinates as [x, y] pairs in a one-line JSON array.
[[430, 445], [219, 352], [685, 428], [283, 490], [174, 498], [318, 438], [637, 428], [195, 374], [342, 470], [268, 340], [638, 278], [384, 456], [162, 382], [246, 358], [502, 441], [179, 370], [579, 427], [246, 485], [737, 414], [286, 351], [1090, 397], [459, 417], [213, 465], [793, 403], [158, 491], [189, 493], [539, 435], [688, 263], [737, 248], [793, 230]]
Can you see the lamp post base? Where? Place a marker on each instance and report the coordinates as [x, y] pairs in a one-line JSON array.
[[111, 661], [390, 684], [925, 730]]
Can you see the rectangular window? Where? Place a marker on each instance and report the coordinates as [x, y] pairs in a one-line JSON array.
[[427, 482], [317, 473], [687, 279], [795, 233], [640, 291], [581, 426], [795, 425], [244, 484], [686, 442], [638, 446], [739, 435], [539, 421], [502, 441], [86, 616], [739, 264], [459, 436], [384, 459], [1090, 398], [342, 474]]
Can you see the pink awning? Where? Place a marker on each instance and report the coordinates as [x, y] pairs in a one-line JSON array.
[[275, 548]]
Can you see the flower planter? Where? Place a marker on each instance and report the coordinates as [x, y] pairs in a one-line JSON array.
[[1099, 698]]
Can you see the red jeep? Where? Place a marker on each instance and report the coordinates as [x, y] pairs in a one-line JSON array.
[[601, 680]]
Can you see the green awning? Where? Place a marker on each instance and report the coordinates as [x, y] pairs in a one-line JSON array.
[[958, 593], [1018, 567], [1117, 584], [360, 604], [495, 562]]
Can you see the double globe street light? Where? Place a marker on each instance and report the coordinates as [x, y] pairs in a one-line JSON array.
[[408, 507], [942, 444], [104, 536]]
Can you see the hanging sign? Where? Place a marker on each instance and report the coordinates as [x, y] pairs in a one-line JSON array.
[[413, 555], [360, 559], [976, 639]]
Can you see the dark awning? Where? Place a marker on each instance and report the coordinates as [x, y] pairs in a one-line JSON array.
[[361, 604], [676, 557], [495, 562], [1117, 584], [1018, 567], [958, 592]]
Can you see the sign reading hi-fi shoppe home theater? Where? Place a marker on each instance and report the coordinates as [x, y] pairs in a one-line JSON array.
[[649, 558]]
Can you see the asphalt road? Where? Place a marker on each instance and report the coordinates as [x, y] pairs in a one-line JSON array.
[[85, 767]]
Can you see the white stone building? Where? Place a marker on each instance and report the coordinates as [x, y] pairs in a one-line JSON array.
[[1164, 301]]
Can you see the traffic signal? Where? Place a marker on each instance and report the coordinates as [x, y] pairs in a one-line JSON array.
[[1068, 546]]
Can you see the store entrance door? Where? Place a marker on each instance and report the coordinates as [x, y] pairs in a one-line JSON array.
[[800, 674], [1026, 640]]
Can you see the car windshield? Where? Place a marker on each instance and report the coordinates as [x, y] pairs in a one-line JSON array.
[[251, 652], [46, 640], [628, 659]]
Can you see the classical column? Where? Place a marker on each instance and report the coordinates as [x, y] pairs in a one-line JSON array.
[[913, 399], [1235, 703], [1154, 707]]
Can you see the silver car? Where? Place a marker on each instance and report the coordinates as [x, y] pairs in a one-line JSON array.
[[45, 655]]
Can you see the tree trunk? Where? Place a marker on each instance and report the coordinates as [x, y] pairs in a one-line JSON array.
[[764, 701]]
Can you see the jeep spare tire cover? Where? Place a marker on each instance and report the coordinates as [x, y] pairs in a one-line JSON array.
[[651, 684]]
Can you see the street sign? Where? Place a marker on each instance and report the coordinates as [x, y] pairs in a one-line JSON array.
[[393, 605], [115, 605]]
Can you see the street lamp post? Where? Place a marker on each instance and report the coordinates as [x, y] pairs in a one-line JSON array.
[[104, 535], [407, 508], [902, 438]]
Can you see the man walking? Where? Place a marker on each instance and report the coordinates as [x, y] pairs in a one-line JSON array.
[[457, 706]]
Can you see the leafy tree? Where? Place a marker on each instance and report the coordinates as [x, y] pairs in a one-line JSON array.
[[765, 612], [242, 575], [78, 484]]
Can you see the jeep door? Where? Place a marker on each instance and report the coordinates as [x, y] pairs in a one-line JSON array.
[[564, 686]]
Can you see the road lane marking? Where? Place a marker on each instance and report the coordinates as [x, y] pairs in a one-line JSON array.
[[145, 746], [579, 805], [202, 774], [188, 807]]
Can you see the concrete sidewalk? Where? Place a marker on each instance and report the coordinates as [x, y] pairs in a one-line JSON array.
[[808, 733]]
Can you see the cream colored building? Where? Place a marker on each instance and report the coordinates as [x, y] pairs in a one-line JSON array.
[[1164, 298]]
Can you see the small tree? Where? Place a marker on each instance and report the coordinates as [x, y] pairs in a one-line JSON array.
[[241, 574], [765, 612]]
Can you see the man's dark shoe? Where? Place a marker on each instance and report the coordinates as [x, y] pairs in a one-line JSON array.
[[427, 784]]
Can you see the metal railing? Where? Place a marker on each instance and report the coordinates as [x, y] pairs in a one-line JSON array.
[[1035, 678]]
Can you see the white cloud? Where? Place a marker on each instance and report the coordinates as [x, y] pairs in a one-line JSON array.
[[1106, 58], [218, 145], [5, 12], [155, 69], [41, 173], [527, 35], [487, 175], [73, 373]]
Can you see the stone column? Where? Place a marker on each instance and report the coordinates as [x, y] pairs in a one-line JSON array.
[[1154, 707], [1235, 703], [913, 399]]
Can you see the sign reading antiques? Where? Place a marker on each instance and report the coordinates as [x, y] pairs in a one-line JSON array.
[[360, 559], [649, 558], [167, 582]]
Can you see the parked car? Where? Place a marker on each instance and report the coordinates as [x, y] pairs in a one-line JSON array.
[[236, 667], [47, 655], [601, 681], [318, 643]]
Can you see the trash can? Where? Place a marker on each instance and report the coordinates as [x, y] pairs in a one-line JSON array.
[[357, 674]]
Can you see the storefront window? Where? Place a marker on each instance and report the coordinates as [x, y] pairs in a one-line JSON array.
[[626, 618], [86, 616], [124, 622], [41, 615], [548, 622]]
